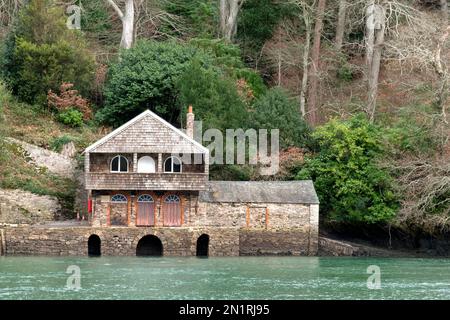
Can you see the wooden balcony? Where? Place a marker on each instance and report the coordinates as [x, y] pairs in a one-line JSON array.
[[145, 181]]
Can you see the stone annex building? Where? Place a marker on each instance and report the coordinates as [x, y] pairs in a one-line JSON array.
[[146, 196], [134, 179]]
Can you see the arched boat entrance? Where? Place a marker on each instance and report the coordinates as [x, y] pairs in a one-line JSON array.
[[202, 245], [149, 245], [94, 246]]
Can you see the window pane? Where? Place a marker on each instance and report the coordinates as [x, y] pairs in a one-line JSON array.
[[176, 166], [115, 164], [123, 164], [168, 165]]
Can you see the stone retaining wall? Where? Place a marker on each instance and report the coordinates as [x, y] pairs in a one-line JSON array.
[[122, 241], [119, 241], [296, 242]]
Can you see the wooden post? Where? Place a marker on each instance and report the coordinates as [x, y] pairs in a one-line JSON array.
[[128, 209], [248, 217], [267, 218], [2, 243], [160, 164], [135, 164], [182, 210]]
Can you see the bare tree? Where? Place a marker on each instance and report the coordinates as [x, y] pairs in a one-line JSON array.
[[340, 25], [375, 26], [229, 11], [307, 15], [127, 19], [314, 66]]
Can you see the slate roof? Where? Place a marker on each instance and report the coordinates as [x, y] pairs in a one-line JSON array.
[[147, 132], [296, 192]]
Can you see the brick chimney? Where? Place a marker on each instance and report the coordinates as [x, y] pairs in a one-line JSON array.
[[190, 123]]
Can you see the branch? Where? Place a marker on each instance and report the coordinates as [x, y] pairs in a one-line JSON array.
[[116, 8]]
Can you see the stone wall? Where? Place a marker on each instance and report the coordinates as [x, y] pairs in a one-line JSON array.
[[22, 207], [294, 242], [117, 241]]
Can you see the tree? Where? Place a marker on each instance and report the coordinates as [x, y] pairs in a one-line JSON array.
[[229, 11], [340, 25], [375, 26], [145, 78], [351, 186], [41, 54], [275, 110], [127, 19], [214, 96], [313, 93]]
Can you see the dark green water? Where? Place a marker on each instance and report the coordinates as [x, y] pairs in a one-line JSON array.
[[223, 278]]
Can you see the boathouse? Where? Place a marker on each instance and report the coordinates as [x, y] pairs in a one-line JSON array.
[[149, 193]]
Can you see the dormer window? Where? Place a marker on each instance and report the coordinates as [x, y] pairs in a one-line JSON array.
[[119, 164], [172, 165]]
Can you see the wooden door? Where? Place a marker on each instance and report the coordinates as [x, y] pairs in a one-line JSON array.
[[145, 211], [172, 211]]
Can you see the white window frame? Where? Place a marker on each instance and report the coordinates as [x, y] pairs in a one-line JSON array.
[[120, 157], [171, 168]]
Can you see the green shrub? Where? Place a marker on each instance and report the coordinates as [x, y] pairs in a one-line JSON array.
[[71, 117], [351, 187], [41, 53], [214, 97], [145, 78], [58, 142], [275, 110]]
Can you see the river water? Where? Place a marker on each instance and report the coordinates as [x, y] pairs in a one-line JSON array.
[[222, 278]]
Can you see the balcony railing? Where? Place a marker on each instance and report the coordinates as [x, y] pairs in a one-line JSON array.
[[145, 181]]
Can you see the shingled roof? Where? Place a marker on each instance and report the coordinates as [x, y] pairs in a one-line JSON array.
[[260, 192], [147, 132]]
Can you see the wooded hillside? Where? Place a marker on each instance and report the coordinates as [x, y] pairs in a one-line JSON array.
[[359, 89]]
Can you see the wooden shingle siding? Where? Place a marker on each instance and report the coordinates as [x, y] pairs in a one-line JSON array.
[[148, 135], [146, 181]]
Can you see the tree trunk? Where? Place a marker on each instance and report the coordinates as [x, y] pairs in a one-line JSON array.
[[127, 25], [306, 49], [314, 68], [376, 25], [127, 22], [340, 27], [229, 10], [442, 71]]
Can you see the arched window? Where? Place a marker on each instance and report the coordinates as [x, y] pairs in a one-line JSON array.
[[172, 164], [119, 164], [146, 164], [172, 199], [145, 198], [119, 198]]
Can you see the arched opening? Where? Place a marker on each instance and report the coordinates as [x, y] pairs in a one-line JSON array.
[[94, 246], [172, 165], [149, 245], [146, 164], [202, 245], [119, 164]]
